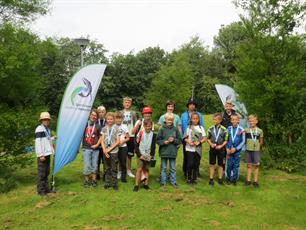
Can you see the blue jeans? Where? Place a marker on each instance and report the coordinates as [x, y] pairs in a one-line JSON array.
[[163, 169], [90, 159]]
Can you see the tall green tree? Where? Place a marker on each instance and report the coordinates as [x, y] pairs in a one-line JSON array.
[[130, 75], [271, 76], [171, 82]]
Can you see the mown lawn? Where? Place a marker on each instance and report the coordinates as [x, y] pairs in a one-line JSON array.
[[279, 203]]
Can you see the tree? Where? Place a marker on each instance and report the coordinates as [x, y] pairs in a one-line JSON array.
[[227, 40], [130, 75], [171, 82], [271, 76], [22, 10], [20, 60]]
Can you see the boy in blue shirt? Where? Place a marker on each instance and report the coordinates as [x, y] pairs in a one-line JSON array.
[[234, 146]]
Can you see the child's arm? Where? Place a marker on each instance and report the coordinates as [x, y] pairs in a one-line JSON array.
[[103, 145], [137, 150], [222, 145], [136, 127], [177, 140], [240, 146], [117, 143], [160, 139], [126, 139], [224, 142], [98, 143]]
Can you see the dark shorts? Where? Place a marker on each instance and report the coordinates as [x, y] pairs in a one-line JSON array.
[[216, 155], [252, 157], [131, 146], [143, 164]]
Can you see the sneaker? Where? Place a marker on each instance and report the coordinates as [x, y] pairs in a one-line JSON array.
[[211, 182], [106, 186], [94, 183], [188, 181], [130, 174], [98, 177], [85, 184], [146, 187], [115, 187], [119, 175], [255, 184], [136, 188], [228, 182], [248, 183], [235, 183], [42, 194], [175, 185], [220, 182]]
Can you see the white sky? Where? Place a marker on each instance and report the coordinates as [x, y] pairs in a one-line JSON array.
[[126, 25]]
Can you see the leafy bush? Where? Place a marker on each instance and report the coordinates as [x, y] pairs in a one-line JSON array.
[[16, 133]]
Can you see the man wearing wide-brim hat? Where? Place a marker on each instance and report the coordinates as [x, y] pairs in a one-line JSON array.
[[44, 149], [185, 119]]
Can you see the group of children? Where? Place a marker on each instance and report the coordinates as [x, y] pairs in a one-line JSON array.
[[114, 138]]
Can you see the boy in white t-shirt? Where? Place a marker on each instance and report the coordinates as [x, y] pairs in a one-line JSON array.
[[194, 137], [124, 136]]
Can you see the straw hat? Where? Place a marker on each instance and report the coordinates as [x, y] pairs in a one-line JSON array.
[[45, 116]]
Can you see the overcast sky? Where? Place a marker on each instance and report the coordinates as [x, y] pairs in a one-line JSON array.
[[126, 25]]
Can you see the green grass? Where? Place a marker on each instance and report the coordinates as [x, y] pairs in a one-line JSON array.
[[280, 203]]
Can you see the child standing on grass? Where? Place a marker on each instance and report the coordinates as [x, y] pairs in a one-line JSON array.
[[217, 139], [110, 141], [194, 137], [129, 119], [123, 133], [145, 150], [89, 149], [254, 141], [168, 139], [236, 141], [43, 149]]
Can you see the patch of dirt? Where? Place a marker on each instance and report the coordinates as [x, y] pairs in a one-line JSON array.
[[287, 177], [94, 227], [43, 204], [165, 209], [214, 223], [111, 218], [71, 193], [229, 203]]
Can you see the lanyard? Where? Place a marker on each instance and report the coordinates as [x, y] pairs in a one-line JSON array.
[[234, 135], [254, 137], [217, 134], [47, 132], [110, 134], [92, 130]]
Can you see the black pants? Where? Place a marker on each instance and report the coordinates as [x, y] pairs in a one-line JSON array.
[[43, 171], [192, 165], [111, 169], [122, 155], [184, 160], [100, 160]]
